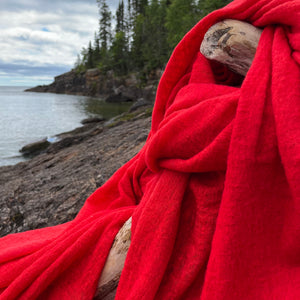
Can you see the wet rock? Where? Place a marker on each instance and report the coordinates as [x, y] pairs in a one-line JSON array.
[[67, 140], [35, 148], [50, 188], [92, 120]]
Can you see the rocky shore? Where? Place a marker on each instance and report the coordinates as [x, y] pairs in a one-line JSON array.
[[50, 188], [108, 86]]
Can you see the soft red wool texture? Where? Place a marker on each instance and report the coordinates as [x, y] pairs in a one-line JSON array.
[[214, 194]]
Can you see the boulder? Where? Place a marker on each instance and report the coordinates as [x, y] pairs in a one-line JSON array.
[[130, 92], [139, 103], [117, 98], [92, 72], [35, 148], [149, 93], [92, 120]]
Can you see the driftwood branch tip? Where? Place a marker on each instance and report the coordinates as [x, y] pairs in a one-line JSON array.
[[232, 43]]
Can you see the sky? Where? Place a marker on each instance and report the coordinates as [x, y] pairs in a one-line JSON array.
[[40, 39]]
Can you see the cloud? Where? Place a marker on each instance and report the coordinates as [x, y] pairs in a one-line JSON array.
[[44, 36]]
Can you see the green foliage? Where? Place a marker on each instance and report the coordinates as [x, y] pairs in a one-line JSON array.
[[119, 53], [182, 15], [208, 6], [155, 47], [105, 25], [120, 18], [90, 58], [138, 37], [145, 33]]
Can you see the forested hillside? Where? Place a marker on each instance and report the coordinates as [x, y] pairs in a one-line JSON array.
[[141, 34]]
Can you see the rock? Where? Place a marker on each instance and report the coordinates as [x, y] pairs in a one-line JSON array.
[[140, 103], [39, 89], [74, 139], [159, 73], [93, 72], [92, 120], [132, 80], [93, 82], [53, 144], [149, 93], [117, 98], [35, 148], [50, 188], [130, 92]]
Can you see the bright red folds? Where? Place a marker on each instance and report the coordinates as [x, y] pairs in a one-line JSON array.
[[214, 193]]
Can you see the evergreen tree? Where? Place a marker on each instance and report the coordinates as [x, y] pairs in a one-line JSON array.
[[139, 6], [182, 15], [154, 47], [138, 39], [105, 25], [83, 53], [97, 51], [90, 54], [145, 33], [207, 6], [119, 49], [120, 18], [119, 53], [129, 19]]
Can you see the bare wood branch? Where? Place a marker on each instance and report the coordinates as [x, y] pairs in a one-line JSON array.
[[114, 264], [232, 43]]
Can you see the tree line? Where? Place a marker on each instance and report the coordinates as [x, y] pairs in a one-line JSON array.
[[144, 35]]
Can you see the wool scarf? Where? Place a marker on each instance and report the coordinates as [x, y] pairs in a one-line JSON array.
[[214, 194]]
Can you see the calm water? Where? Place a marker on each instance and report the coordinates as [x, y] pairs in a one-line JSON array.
[[27, 117]]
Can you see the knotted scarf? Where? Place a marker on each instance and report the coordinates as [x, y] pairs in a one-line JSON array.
[[214, 194]]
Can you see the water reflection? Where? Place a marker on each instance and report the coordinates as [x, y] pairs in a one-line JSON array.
[[96, 106], [30, 117]]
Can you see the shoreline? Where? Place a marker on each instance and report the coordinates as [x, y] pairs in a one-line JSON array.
[[50, 188]]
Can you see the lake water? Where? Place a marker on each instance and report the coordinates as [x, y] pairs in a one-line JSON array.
[[27, 117]]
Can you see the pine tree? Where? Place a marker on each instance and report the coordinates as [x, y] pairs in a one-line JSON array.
[[119, 49], [207, 6], [97, 50], [90, 54], [120, 18], [105, 25], [145, 33], [182, 15], [138, 39], [154, 47], [119, 53]]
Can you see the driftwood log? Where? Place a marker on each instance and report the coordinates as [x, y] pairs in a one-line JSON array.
[[114, 264], [230, 42]]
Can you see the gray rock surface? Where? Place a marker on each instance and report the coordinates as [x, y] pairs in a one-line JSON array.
[[92, 120], [107, 86], [35, 147], [139, 103], [51, 188]]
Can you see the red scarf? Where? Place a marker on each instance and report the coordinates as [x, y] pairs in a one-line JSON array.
[[214, 193]]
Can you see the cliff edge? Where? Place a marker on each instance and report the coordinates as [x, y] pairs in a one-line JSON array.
[[107, 86]]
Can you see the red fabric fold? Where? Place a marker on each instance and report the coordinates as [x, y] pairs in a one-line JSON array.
[[214, 194]]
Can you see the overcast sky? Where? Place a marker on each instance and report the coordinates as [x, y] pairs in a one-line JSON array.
[[40, 39]]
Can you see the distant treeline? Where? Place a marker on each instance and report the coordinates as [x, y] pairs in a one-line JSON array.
[[144, 34]]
